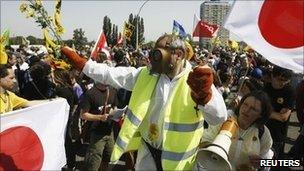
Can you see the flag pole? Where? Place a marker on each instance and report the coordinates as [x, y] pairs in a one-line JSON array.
[[216, 37], [210, 52], [96, 43], [124, 40], [90, 57], [242, 83], [137, 20]]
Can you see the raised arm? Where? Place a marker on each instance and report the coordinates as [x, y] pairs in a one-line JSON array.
[[118, 77], [206, 96]]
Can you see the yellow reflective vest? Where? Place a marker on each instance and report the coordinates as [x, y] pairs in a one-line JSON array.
[[183, 125]]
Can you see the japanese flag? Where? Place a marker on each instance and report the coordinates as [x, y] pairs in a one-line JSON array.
[[33, 138], [273, 28]]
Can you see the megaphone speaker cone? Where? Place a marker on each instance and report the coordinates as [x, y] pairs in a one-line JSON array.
[[213, 158]]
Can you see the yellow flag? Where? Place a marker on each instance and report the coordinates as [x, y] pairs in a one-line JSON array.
[[49, 43], [248, 49], [4, 39], [128, 30], [233, 45], [190, 51], [3, 55], [216, 41], [57, 18], [38, 2]]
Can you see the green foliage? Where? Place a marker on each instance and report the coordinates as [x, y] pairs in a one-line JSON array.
[[69, 42], [149, 45], [133, 20], [34, 9], [79, 39], [35, 41], [110, 30], [16, 40]]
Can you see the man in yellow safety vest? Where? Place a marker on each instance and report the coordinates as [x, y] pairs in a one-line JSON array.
[[168, 105]]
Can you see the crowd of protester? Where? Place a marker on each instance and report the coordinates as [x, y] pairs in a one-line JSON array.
[[236, 74]]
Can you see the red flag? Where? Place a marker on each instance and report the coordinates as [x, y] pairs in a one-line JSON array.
[[203, 29], [120, 39], [100, 44]]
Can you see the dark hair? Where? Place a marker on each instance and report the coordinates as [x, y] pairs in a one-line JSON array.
[[63, 78], [119, 55], [252, 86], [266, 107], [102, 57], [279, 71], [40, 70], [4, 70], [224, 76], [33, 60]]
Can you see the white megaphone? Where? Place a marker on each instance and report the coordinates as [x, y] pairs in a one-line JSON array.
[[215, 155]]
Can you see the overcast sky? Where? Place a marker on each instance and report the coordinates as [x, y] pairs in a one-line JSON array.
[[88, 15]]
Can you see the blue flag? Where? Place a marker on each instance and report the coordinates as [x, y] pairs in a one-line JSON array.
[[178, 29]]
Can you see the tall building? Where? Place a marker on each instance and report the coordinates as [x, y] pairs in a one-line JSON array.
[[215, 12]]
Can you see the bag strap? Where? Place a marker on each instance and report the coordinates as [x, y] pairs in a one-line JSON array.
[[106, 100], [156, 155], [261, 131]]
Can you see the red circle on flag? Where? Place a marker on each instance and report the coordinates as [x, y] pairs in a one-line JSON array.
[[20, 149], [282, 23]]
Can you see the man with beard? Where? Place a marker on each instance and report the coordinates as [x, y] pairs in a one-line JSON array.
[[164, 119]]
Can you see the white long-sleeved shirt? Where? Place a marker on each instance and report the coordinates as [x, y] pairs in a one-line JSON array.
[[125, 77]]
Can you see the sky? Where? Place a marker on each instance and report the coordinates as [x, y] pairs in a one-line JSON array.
[[158, 16]]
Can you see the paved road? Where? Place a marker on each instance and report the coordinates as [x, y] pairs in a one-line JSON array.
[[292, 134]]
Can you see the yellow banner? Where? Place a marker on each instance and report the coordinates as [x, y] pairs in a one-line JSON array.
[[4, 39], [57, 18], [128, 30]]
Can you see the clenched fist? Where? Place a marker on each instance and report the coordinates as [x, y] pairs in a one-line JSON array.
[[200, 81], [77, 61]]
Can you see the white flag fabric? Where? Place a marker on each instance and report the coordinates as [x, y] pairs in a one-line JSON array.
[[272, 28], [33, 138], [101, 45]]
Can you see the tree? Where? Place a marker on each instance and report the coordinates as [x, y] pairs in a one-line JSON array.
[[69, 42], [79, 39], [32, 39], [141, 37], [15, 40], [133, 20], [18, 40], [110, 30], [114, 34], [107, 28]]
